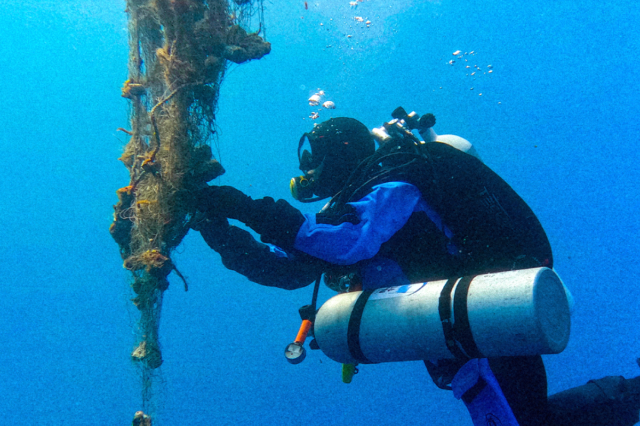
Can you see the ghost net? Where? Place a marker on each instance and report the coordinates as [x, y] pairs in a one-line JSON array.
[[179, 51]]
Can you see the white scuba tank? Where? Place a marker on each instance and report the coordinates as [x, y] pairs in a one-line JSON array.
[[429, 135], [524, 312]]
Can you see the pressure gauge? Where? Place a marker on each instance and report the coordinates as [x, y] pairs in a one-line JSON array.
[[295, 353]]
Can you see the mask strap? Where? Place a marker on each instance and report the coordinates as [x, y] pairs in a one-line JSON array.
[[300, 144]]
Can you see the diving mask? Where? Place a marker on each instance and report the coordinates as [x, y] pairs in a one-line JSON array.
[[302, 187]]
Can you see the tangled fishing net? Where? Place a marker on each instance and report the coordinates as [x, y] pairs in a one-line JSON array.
[[179, 51]]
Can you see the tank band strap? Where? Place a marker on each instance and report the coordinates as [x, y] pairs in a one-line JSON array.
[[444, 308], [353, 330], [461, 323], [457, 334]]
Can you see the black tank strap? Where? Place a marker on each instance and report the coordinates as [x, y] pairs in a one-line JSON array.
[[457, 334], [461, 323], [353, 330], [444, 308]]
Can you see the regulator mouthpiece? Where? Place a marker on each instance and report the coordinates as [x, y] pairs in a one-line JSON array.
[[301, 188]]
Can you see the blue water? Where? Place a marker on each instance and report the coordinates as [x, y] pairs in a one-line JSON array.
[[558, 119]]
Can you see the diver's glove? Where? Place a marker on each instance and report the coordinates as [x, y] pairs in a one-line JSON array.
[[215, 230], [240, 252], [220, 200], [277, 222]]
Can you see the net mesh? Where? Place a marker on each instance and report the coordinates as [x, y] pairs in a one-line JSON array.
[[179, 51]]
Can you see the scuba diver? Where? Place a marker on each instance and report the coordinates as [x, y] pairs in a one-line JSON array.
[[410, 211]]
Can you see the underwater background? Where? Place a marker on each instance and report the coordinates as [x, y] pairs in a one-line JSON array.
[[557, 118]]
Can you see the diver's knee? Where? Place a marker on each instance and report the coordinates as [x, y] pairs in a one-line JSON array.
[[611, 401]]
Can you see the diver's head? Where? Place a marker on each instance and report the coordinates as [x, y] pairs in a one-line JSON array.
[[328, 155]]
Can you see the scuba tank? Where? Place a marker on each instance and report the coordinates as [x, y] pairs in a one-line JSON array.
[[513, 313], [425, 128]]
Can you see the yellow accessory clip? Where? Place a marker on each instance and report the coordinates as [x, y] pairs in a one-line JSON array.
[[348, 371]]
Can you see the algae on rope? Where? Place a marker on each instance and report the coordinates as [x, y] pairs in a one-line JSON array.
[[179, 51]]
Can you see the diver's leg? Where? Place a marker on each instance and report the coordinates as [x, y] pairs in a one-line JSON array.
[[523, 381], [476, 385], [610, 401], [443, 371], [520, 382]]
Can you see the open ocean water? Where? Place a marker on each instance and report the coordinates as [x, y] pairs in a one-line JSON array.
[[557, 118]]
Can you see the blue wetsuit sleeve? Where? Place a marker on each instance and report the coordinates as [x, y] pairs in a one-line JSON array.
[[381, 214]]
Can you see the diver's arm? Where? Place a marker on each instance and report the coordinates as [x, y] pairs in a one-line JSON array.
[[258, 262], [362, 228], [277, 222], [378, 216]]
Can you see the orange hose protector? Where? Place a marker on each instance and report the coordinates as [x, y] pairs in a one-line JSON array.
[[304, 330]]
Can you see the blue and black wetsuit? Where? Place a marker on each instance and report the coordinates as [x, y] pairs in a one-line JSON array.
[[450, 216]]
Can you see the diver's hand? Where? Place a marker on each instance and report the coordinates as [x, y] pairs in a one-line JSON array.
[[224, 201], [215, 231], [277, 222]]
